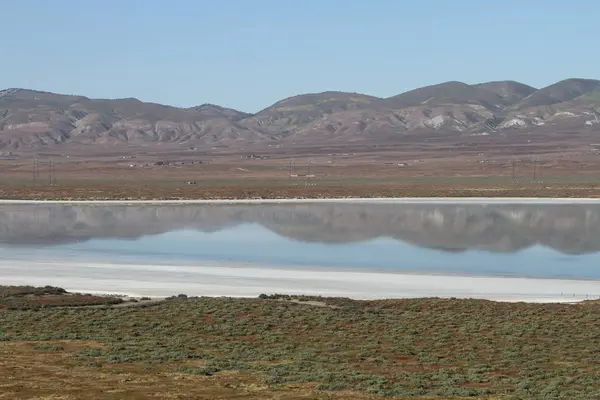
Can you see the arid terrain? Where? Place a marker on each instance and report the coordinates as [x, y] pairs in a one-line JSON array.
[[280, 347], [497, 139], [492, 139], [450, 112], [306, 172], [299, 200]]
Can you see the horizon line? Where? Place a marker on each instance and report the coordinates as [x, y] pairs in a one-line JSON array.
[[285, 98]]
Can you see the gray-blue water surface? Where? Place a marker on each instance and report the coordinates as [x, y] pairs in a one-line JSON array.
[[557, 241]]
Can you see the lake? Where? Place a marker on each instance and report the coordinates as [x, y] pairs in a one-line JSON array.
[[534, 252]]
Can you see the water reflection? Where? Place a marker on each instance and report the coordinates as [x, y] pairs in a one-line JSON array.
[[569, 229]]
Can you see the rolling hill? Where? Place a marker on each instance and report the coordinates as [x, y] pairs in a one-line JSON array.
[[294, 112], [447, 93], [560, 92], [31, 120], [510, 91]]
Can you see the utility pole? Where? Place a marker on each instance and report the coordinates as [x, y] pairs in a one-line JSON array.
[[50, 172], [291, 170], [513, 169], [536, 170], [36, 168], [308, 174]]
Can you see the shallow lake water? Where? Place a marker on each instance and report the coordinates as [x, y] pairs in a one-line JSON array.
[[330, 248]]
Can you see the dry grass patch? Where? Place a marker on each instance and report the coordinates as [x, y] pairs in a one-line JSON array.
[[29, 373]]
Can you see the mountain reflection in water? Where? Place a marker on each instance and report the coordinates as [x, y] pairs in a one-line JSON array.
[[569, 229]]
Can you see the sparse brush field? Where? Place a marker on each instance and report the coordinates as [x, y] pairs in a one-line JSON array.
[[31, 298], [302, 348]]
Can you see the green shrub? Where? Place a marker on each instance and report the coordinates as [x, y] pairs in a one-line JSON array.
[[49, 348]]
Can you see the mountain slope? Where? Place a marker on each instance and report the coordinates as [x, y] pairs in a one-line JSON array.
[[32, 120], [560, 92], [446, 93], [38, 119], [446, 107], [213, 110], [288, 114], [510, 91]]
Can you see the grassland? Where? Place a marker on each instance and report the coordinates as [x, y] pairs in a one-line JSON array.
[[302, 348]]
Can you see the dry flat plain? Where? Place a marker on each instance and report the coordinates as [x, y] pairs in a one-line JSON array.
[[266, 172], [59, 346]]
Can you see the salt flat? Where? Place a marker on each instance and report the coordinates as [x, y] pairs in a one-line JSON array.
[[250, 281]]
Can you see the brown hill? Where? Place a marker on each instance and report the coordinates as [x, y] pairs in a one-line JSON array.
[[447, 93], [455, 108], [32, 120], [560, 92], [213, 110], [289, 114], [510, 91]]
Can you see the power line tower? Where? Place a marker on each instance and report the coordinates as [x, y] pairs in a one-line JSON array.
[[309, 175], [36, 168], [513, 169], [536, 170], [51, 173], [514, 178], [292, 173]]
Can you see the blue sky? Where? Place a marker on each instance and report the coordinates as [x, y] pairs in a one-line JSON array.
[[248, 54]]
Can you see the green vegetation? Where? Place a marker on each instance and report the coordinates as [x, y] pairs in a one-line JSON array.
[[43, 347], [401, 348], [20, 291], [29, 297]]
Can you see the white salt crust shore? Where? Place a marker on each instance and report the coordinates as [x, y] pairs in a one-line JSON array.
[[384, 200], [138, 280], [159, 281]]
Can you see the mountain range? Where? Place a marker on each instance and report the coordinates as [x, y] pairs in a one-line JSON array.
[[32, 119], [569, 229]]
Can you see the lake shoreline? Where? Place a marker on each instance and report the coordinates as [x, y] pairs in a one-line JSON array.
[[158, 281]]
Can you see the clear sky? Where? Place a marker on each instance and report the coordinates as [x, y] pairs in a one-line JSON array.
[[248, 54]]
